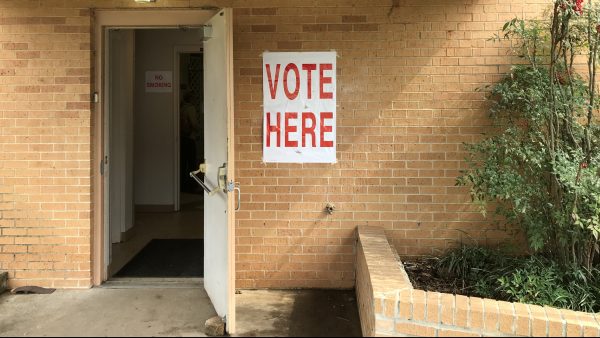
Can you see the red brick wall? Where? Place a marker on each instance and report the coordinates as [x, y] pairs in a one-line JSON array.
[[407, 74]]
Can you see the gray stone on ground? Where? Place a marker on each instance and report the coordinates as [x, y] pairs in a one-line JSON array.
[[3, 281], [214, 326]]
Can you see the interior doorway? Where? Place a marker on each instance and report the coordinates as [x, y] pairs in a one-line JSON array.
[[190, 109], [155, 138]]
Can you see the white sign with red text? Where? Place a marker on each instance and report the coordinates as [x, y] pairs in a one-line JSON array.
[[159, 82], [299, 97]]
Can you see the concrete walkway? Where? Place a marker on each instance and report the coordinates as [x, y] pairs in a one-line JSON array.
[[106, 312], [176, 312], [297, 313]]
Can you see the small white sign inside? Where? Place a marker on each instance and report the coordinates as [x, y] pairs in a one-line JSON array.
[[159, 82]]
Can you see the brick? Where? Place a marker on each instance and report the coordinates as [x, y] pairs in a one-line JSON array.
[[556, 324], [476, 313], [433, 307], [354, 18], [378, 304], [314, 28], [264, 11], [15, 46], [456, 333], [506, 317], [412, 329], [295, 45], [490, 315], [405, 304], [264, 28], [522, 320], [339, 27], [447, 309], [539, 321], [574, 326], [461, 314], [591, 328], [390, 307], [419, 305], [384, 325], [365, 27]]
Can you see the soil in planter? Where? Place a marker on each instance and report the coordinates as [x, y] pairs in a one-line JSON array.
[[424, 275]]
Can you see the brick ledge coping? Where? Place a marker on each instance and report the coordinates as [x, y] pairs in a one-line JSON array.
[[390, 306]]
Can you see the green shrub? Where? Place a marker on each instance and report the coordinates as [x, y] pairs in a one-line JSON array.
[[535, 279], [541, 166], [477, 268]]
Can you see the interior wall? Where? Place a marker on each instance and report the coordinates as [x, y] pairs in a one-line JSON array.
[[120, 169], [154, 172]]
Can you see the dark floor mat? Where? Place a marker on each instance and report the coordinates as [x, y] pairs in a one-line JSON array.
[[167, 258]]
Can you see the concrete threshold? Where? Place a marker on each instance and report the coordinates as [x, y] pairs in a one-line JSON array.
[[154, 283]]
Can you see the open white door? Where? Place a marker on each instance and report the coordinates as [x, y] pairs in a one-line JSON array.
[[219, 209]]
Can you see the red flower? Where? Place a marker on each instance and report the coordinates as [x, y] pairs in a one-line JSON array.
[[584, 165], [578, 7]]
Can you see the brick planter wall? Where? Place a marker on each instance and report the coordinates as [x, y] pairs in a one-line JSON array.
[[390, 306]]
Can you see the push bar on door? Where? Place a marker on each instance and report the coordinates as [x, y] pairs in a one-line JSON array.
[[194, 174]]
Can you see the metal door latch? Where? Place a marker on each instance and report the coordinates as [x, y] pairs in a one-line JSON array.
[[210, 192], [221, 179]]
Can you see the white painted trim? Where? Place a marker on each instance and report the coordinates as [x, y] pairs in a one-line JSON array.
[[105, 144], [177, 51], [231, 306], [153, 18]]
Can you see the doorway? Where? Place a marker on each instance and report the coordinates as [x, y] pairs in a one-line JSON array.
[[190, 128], [155, 110], [154, 190]]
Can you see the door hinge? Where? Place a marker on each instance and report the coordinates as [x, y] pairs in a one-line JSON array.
[[207, 31], [103, 163]]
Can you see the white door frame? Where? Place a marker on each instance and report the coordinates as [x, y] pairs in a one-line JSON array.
[[136, 18], [117, 233], [178, 50]]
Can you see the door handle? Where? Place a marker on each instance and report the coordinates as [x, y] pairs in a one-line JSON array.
[[239, 196], [233, 187], [194, 175]]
